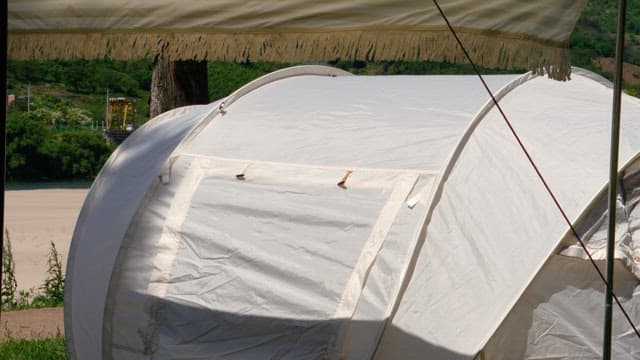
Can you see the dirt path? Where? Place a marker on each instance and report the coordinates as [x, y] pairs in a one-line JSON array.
[[34, 218], [29, 324]]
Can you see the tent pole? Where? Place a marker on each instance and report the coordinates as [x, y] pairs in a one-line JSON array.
[[3, 124], [613, 176]]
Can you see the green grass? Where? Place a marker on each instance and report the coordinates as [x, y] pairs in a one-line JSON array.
[[38, 349]]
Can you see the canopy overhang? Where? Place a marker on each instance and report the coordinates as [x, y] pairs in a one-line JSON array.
[[498, 33]]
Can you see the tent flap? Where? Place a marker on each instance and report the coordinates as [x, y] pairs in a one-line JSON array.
[[235, 270]]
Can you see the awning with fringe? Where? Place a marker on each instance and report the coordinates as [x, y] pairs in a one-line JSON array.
[[498, 33]]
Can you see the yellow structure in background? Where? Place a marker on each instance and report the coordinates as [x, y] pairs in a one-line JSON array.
[[120, 114]]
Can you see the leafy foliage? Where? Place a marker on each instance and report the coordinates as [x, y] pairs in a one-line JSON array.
[[595, 37], [25, 153], [226, 77], [9, 284], [37, 349], [595, 32], [84, 76], [84, 82], [53, 287], [77, 154], [36, 151], [51, 292]]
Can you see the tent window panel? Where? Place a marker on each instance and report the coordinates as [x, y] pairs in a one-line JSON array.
[[267, 262]]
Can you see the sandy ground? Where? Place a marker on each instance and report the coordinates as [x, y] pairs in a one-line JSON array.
[[32, 324], [34, 218]]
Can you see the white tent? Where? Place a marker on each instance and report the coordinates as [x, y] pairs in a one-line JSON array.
[[313, 214]]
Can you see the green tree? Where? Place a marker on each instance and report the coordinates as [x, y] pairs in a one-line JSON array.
[[25, 156], [77, 153]]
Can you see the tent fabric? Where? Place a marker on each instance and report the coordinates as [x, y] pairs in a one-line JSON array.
[[258, 273], [568, 285], [508, 33], [348, 217], [107, 211], [593, 225], [563, 303], [378, 127], [465, 254]]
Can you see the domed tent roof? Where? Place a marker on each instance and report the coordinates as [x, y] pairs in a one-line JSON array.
[[317, 214]]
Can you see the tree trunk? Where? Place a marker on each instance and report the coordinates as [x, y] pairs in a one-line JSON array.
[[177, 83]]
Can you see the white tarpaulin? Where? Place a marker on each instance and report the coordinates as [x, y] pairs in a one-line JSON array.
[[507, 33], [353, 217]]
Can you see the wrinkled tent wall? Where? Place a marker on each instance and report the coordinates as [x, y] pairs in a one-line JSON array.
[[106, 214], [559, 305], [249, 248], [593, 224], [474, 256], [246, 245], [560, 315], [231, 274]]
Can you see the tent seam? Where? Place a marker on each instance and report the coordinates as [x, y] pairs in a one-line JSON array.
[[292, 165], [437, 189], [295, 71]]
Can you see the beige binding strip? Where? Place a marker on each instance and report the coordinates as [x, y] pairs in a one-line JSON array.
[[356, 283], [310, 166], [169, 241], [223, 105]]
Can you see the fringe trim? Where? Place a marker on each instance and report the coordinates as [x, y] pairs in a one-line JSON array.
[[488, 50]]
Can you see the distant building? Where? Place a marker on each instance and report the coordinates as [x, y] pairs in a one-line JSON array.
[[10, 99]]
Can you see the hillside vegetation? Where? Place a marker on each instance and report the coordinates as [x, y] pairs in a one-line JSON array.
[[595, 33], [57, 134]]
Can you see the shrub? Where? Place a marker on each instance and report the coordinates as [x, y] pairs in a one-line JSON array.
[[25, 155], [9, 284], [37, 152], [53, 288]]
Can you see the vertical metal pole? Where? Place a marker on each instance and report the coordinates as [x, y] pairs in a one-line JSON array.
[[613, 177], [3, 121]]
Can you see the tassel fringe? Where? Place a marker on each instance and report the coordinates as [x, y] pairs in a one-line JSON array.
[[493, 51]]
